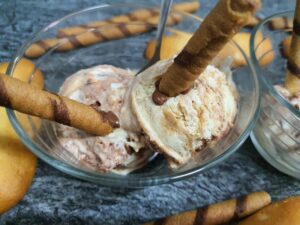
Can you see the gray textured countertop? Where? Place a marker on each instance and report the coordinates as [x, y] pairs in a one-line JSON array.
[[55, 198]]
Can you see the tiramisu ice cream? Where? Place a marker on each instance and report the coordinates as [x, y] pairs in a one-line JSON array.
[[187, 123], [104, 88], [180, 128]]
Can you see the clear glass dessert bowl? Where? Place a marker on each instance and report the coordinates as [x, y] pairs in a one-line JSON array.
[[277, 132], [39, 136]]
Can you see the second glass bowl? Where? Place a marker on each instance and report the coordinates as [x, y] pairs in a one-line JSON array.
[[125, 53], [277, 132]]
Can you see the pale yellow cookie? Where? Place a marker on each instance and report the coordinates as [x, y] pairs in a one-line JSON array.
[[264, 49], [171, 45], [17, 164]]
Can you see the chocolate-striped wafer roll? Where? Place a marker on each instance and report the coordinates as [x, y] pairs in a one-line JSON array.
[[292, 81], [206, 43], [281, 23], [93, 36], [30, 100], [137, 15], [219, 213], [41, 47]]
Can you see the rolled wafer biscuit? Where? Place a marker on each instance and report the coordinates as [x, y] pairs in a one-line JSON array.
[[93, 36], [281, 23], [30, 100], [219, 213], [205, 44], [139, 14], [292, 81]]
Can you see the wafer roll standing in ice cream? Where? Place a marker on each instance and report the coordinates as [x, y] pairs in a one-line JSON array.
[[205, 44], [292, 81], [220, 213], [97, 35], [30, 100], [137, 15]]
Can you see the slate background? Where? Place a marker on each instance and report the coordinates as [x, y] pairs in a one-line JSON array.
[[56, 198]]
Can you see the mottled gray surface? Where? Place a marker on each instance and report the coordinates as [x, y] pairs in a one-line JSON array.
[[55, 198]]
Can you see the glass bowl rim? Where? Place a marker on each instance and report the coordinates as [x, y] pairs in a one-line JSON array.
[[119, 180], [257, 66]]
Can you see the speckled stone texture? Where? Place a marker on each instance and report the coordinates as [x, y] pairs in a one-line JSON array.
[[55, 198]]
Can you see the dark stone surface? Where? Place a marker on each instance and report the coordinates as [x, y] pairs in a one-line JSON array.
[[55, 198]]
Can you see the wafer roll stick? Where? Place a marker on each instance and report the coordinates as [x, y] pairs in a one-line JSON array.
[[205, 44], [281, 23], [30, 100], [137, 15], [219, 213], [93, 36], [292, 81]]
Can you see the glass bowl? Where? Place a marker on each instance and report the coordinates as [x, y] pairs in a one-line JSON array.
[[38, 135], [277, 132]]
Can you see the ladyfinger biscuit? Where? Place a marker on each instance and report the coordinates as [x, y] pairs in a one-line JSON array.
[[30, 100], [219, 213], [206, 43]]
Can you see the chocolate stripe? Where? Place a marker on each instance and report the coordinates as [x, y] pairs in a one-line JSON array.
[[240, 206], [294, 69], [201, 216], [162, 221], [74, 41], [4, 98], [43, 44], [296, 27], [60, 111], [124, 30], [99, 34]]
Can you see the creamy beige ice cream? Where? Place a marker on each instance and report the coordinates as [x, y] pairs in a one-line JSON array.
[[186, 124], [121, 151]]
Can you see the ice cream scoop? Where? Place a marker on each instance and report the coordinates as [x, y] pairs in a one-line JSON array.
[[121, 151], [187, 123]]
